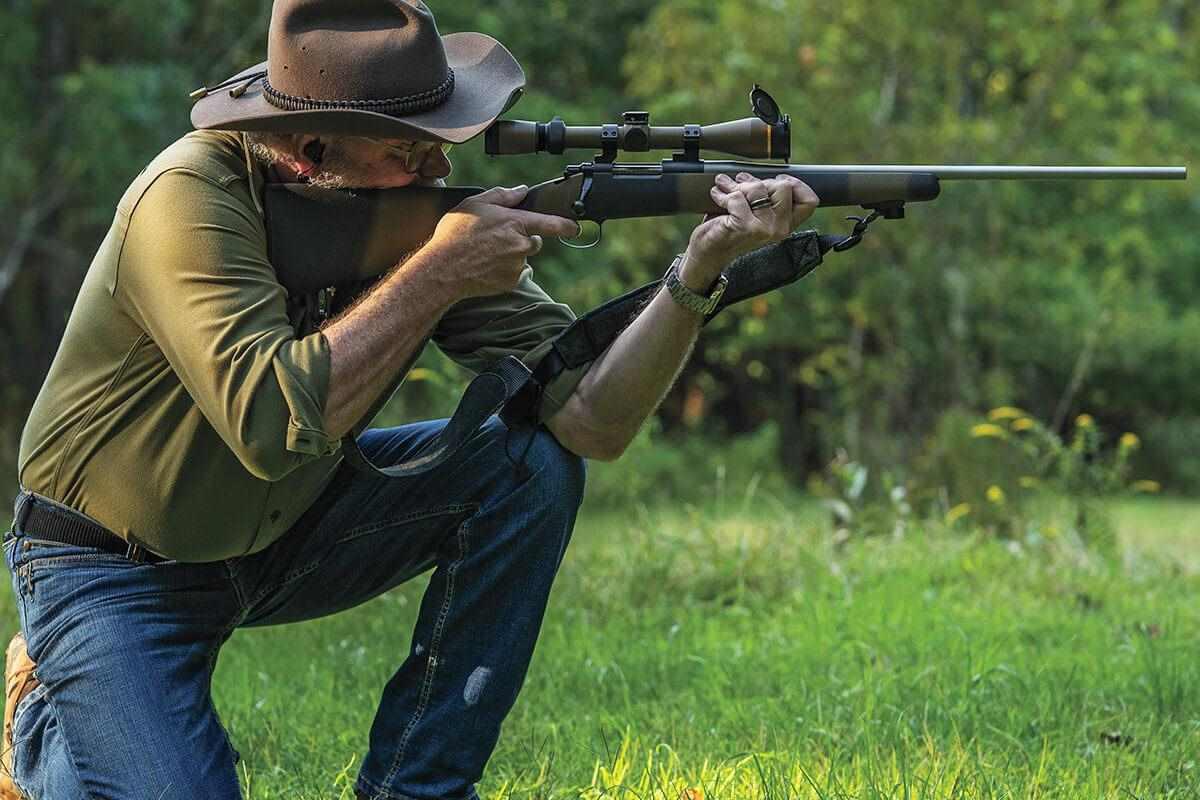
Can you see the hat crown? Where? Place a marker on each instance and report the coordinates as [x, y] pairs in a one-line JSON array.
[[357, 51]]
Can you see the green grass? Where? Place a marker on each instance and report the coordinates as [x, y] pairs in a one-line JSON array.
[[730, 652]]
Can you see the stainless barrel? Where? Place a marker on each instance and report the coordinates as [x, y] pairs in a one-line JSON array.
[[950, 172]]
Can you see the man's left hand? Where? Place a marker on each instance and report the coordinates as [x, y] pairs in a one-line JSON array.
[[721, 238]]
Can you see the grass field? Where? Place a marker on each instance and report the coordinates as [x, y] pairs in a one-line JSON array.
[[729, 652]]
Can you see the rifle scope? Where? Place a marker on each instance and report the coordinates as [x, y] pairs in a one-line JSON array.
[[751, 137]]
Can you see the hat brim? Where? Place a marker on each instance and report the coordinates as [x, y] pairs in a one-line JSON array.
[[487, 81]]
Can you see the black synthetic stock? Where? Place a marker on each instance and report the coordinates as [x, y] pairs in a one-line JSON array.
[[322, 237]]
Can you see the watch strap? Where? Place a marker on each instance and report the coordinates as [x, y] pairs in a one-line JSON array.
[[687, 297]]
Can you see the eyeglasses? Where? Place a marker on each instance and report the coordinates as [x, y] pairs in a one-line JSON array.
[[414, 153]]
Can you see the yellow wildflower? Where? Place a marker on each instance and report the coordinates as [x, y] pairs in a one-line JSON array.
[[1005, 412], [995, 494], [1022, 424], [1051, 531], [988, 429], [1084, 421], [957, 513], [1028, 482], [1130, 441], [1149, 487]]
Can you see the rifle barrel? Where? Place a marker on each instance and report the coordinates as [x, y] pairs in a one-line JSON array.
[[950, 172]]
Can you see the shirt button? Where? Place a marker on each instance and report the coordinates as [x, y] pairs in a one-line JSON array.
[[275, 515]]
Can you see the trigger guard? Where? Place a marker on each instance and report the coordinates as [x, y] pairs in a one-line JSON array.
[[571, 244]]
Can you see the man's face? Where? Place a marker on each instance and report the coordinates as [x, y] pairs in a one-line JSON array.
[[359, 162]]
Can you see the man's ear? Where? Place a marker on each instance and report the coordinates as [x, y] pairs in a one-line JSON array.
[[310, 150]]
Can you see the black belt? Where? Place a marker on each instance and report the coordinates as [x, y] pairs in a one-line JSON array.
[[45, 519]]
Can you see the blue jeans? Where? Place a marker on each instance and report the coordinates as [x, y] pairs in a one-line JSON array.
[[125, 651]]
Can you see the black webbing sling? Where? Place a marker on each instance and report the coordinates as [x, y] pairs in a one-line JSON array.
[[513, 391]]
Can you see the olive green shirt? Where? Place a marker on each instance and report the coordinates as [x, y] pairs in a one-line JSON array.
[[183, 410]]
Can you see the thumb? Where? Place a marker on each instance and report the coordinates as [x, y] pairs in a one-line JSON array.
[[501, 196]]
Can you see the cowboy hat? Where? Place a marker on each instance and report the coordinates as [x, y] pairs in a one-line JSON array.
[[373, 68]]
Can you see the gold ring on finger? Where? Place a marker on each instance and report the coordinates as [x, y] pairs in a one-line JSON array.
[[761, 202]]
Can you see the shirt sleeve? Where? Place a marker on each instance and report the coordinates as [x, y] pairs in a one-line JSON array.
[[481, 330], [193, 273]]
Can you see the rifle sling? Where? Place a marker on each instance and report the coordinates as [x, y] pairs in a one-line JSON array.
[[513, 391]]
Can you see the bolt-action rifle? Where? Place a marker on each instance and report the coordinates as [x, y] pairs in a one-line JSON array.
[[318, 238], [321, 237]]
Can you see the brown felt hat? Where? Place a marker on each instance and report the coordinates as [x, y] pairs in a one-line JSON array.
[[366, 68]]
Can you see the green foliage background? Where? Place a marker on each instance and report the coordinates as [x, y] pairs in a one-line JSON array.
[[1058, 298]]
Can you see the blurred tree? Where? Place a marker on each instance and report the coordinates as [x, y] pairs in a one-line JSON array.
[[990, 295], [96, 90]]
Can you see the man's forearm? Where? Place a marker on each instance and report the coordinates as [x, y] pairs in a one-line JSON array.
[[371, 342], [629, 380], [478, 249]]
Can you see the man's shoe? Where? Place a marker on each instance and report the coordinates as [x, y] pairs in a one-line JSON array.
[[19, 681]]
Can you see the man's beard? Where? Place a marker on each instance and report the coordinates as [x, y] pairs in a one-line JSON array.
[[327, 179]]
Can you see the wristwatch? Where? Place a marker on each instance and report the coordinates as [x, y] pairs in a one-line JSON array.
[[691, 300]]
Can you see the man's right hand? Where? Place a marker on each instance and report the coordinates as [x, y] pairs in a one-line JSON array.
[[482, 244]]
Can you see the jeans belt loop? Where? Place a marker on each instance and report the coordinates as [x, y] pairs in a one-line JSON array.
[[24, 506], [135, 553]]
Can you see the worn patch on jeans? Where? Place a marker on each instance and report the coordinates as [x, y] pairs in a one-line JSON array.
[[476, 684]]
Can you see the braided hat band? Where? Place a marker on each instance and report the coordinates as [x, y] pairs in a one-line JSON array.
[[409, 104]]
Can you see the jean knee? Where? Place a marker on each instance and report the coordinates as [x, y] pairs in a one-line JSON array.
[[561, 473]]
